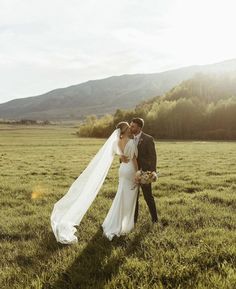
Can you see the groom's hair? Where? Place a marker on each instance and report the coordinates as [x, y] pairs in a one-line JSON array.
[[139, 121]]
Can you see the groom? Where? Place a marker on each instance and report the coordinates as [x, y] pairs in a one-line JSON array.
[[147, 162]]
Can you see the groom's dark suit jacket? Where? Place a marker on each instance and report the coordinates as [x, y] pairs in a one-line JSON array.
[[147, 158]]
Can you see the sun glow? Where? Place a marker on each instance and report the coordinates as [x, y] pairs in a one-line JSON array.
[[38, 192], [202, 31], [79, 43]]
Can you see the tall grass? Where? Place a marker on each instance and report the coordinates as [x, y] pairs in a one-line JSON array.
[[195, 197]]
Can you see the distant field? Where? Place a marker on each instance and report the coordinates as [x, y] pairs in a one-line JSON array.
[[195, 196]]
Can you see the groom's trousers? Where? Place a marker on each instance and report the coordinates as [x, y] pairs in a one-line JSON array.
[[147, 193]]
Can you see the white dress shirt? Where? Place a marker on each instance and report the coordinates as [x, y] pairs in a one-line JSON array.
[[137, 137]]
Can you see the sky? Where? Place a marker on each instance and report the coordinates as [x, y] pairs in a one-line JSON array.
[[49, 44]]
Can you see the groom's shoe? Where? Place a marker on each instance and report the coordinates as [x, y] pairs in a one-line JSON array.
[[157, 224], [154, 221]]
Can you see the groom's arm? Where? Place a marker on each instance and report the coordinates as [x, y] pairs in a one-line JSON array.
[[123, 159]]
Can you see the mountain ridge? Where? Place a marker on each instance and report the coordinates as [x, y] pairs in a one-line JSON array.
[[101, 96]]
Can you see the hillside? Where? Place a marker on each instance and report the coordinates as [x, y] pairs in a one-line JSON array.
[[105, 95], [203, 107], [206, 88]]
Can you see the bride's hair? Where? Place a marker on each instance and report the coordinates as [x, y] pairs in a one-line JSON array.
[[123, 126]]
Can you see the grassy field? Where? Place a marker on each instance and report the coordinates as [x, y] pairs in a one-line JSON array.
[[195, 197]]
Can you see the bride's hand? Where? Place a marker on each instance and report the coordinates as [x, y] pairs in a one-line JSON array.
[[154, 176], [137, 176]]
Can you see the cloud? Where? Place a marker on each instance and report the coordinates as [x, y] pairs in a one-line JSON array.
[[57, 43]]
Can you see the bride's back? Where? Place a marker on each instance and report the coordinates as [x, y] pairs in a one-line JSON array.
[[122, 143]]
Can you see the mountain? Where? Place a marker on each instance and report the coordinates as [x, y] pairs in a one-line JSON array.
[[104, 95], [207, 88]]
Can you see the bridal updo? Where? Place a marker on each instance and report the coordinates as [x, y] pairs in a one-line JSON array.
[[123, 126]]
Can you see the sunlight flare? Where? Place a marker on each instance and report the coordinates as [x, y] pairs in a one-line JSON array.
[[38, 192]]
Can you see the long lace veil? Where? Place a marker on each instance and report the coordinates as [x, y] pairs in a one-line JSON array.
[[70, 209]]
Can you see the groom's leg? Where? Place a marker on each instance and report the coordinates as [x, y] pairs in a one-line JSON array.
[[136, 208], [147, 193]]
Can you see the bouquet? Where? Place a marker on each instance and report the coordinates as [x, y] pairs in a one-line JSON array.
[[145, 177]]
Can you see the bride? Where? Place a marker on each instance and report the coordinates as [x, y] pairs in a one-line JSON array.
[[70, 209], [120, 218]]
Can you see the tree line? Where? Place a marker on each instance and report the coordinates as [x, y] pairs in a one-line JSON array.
[[200, 108]]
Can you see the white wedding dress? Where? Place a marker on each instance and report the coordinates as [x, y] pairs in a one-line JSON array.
[[70, 209], [120, 218]]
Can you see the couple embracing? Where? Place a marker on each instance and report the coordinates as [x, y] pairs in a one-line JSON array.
[[137, 152]]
